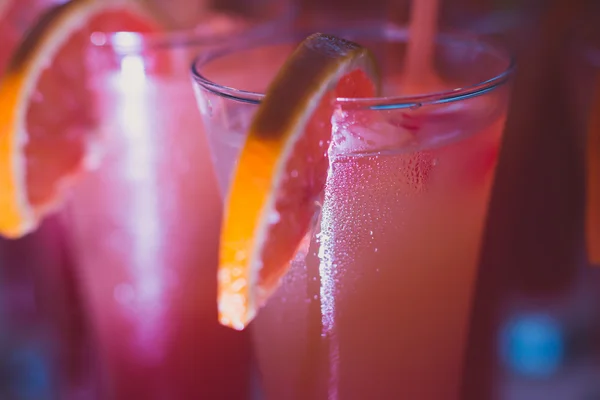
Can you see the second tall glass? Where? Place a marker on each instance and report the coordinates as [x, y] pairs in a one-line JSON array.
[[144, 224]]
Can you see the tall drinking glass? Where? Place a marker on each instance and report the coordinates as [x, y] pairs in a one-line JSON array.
[[376, 305], [144, 224]]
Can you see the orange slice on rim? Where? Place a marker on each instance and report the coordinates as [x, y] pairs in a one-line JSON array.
[[45, 109], [282, 170]]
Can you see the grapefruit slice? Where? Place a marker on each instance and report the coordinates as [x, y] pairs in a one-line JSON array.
[[45, 111], [282, 169]]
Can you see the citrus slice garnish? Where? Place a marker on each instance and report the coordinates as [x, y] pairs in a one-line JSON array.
[[45, 108], [282, 169]]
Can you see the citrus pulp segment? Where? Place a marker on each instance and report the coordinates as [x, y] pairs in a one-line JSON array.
[[282, 169], [45, 111]]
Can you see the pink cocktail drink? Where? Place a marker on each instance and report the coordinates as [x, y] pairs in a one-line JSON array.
[[387, 280], [377, 300], [144, 223]]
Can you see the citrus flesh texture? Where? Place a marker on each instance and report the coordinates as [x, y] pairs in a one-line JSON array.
[[46, 115], [282, 169]]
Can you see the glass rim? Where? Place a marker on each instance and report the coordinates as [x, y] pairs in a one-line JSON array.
[[374, 103], [199, 35]]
